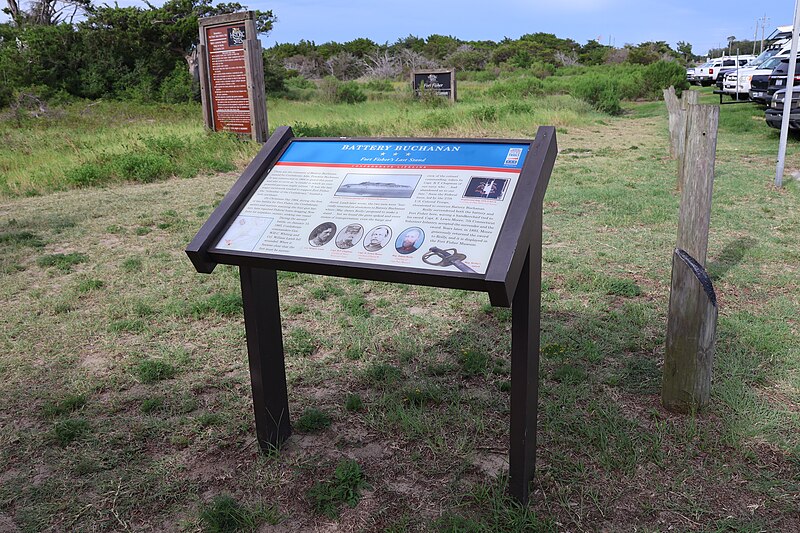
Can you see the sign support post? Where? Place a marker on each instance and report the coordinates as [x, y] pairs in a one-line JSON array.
[[262, 321]]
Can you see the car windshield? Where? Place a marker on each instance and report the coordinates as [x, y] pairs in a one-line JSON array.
[[763, 57], [771, 63]]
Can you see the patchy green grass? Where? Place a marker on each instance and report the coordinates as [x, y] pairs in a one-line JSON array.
[[226, 515], [344, 488], [312, 420], [125, 385]]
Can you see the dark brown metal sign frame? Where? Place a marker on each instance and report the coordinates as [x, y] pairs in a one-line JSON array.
[[513, 278]]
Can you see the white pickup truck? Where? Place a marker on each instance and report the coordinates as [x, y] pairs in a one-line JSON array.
[[707, 73]]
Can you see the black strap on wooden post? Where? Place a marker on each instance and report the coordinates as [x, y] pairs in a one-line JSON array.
[[691, 334], [262, 321]]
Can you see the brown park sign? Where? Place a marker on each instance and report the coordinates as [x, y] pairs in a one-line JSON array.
[[232, 76]]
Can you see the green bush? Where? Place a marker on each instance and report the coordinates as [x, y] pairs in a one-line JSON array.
[[177, 87], [484, 113], [348, 128], [329, 89], [660, 75], [599, 91], [478, 75], [274, 75], [350, 92], [379, 85], [143, 167], [516, 88], [89, 175], [299, 88]]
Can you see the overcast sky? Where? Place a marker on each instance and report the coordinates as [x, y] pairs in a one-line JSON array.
[[704, 23]]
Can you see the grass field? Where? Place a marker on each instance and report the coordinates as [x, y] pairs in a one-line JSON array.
[[123, 373]]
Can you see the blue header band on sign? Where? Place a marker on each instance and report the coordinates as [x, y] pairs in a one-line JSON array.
[[490, 155]]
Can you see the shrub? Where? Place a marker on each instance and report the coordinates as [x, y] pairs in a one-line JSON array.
[[143, 167], [660, 75], [350, 93], [516, 88], [329, 89], [599, 91], [348, 128], [299, 88], [484, 113], [379, 85], [177, 86], [89, 175]]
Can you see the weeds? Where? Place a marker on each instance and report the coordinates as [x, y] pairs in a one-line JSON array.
[[66, 405], [345, 487], [67, 431], [62, 262], [312, 420], [226, 515], [152, 370]]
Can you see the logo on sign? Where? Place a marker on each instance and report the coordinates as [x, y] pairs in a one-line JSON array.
[[236, 36], [513, 156]]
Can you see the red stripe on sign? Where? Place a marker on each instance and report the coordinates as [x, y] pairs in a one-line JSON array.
[[350, 165]]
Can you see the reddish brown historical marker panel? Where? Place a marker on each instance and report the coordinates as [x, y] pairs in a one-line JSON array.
[[230, 106]]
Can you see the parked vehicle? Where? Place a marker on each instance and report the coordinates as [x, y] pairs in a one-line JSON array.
[[777, 80], [774, 113], [690, 75], [759, 80], [758, 88], [708, 72], [739, 81]]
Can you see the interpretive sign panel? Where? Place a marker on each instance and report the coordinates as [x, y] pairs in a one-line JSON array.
[[232, 78], [455, 213], [438, 82], [429, 205], [230, 105]]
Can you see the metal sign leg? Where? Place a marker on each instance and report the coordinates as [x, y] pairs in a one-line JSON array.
[[525, 373], [262, 320]]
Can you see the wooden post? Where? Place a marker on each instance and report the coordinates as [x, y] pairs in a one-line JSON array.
[[677, 111], [691, 332], [698, 176], [674, 113], [688, 99], [205, 89], [254, 67]]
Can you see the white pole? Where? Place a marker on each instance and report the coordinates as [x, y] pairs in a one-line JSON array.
[[787, 101]]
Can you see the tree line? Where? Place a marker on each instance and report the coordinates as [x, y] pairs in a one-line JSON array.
[[73, 48]]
